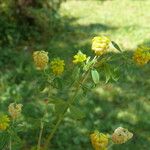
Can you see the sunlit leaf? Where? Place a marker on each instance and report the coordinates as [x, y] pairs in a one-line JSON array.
[[95, 76]]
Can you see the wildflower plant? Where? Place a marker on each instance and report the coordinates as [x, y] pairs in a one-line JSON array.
[[62, 88]]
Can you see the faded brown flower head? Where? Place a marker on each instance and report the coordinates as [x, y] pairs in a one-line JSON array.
[[40, 59], [15, 110], [121, 135]]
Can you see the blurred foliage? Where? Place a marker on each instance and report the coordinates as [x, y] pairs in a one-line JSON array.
[[27, 19]]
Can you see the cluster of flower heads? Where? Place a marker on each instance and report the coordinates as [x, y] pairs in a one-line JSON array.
[[100, 141], [41, 61], [100, 44], [142, 55]]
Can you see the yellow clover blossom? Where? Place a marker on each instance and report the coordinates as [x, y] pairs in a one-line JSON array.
[[79, 57], [4, 122], [142, 55], [40, 59], [15, 110], [99, 140], [100, 44], [121, 135], [57, 66]]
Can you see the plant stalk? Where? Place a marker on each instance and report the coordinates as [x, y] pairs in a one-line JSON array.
[[71, 101], [40, 136]]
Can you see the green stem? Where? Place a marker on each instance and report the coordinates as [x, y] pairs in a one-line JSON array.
[[10, 145], [62, 116], [10, 139], [71, 101], [40, 136]]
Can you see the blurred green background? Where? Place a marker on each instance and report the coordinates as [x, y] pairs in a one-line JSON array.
[[62, 27]]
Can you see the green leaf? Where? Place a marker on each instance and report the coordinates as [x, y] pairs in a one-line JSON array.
[[116, 46], [76, 113], [95, 76], [111, 73], [115, 75], [60, 107]]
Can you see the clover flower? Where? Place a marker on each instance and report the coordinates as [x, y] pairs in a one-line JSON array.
[[99, 140], [79, 57], [100, 44], [40, 59], [121, 135], [57, 66], [4, 122], [142, 55], [15, 110]]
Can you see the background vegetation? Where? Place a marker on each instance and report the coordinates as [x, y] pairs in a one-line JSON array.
[[62, 28]]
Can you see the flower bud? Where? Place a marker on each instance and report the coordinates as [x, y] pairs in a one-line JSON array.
[[15, 110], [100, 44], [121, 135], [40, 59], [99, 141]]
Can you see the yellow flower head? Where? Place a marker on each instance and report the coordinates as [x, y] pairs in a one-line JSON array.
[[100, 44], [99, 140], [142, 55], [15, 110], [79, 57], [121, 135], [57, 66], [40, 59], [4, 122]]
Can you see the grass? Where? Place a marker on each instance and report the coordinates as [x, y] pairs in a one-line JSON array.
[[123, 103]]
